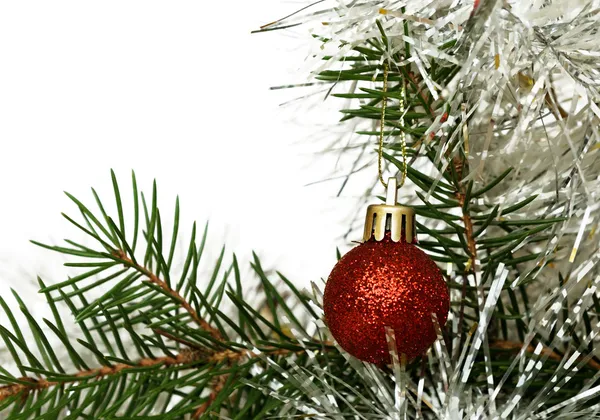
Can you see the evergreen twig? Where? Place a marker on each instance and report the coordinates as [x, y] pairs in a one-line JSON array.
[[122, 256], [32, 384]]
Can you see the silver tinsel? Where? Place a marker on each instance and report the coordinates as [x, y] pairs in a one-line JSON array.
[[529, 83]]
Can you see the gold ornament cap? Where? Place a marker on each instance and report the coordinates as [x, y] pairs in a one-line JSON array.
[[390, 217]]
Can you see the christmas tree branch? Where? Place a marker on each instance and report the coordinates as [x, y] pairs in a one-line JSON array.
[[154, 279], [30, 384], [501, 240], [189, 357], [144, 296]]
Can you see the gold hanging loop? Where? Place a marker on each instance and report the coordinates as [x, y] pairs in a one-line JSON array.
[[382, 128], [390, 219]]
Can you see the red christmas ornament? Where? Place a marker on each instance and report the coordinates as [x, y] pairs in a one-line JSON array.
[[386, 281]]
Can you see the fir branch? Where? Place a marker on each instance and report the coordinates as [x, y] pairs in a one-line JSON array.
[[154, 279], [179, 315], [188, 356], [27, 384]]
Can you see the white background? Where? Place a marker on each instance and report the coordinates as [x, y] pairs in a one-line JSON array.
[[177, 91]]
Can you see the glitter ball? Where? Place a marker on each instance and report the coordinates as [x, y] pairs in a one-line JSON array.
[[385, 283]]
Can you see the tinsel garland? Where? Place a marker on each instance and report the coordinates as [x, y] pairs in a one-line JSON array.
[[525, 95]]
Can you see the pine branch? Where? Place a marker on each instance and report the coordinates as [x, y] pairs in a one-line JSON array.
[[468, 229], [450, 199], [154, 279], [143, 297], [187, 356]]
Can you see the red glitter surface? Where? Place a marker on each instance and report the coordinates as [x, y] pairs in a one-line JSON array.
[[384, 283]]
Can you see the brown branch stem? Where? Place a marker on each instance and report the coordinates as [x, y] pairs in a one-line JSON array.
[[461, 196], [154, 279], [37, 384], [186, 356], [217, 387], [472, 246], [192, 354]]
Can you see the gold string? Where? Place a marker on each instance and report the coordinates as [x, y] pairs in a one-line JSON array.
[[382, 128]]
